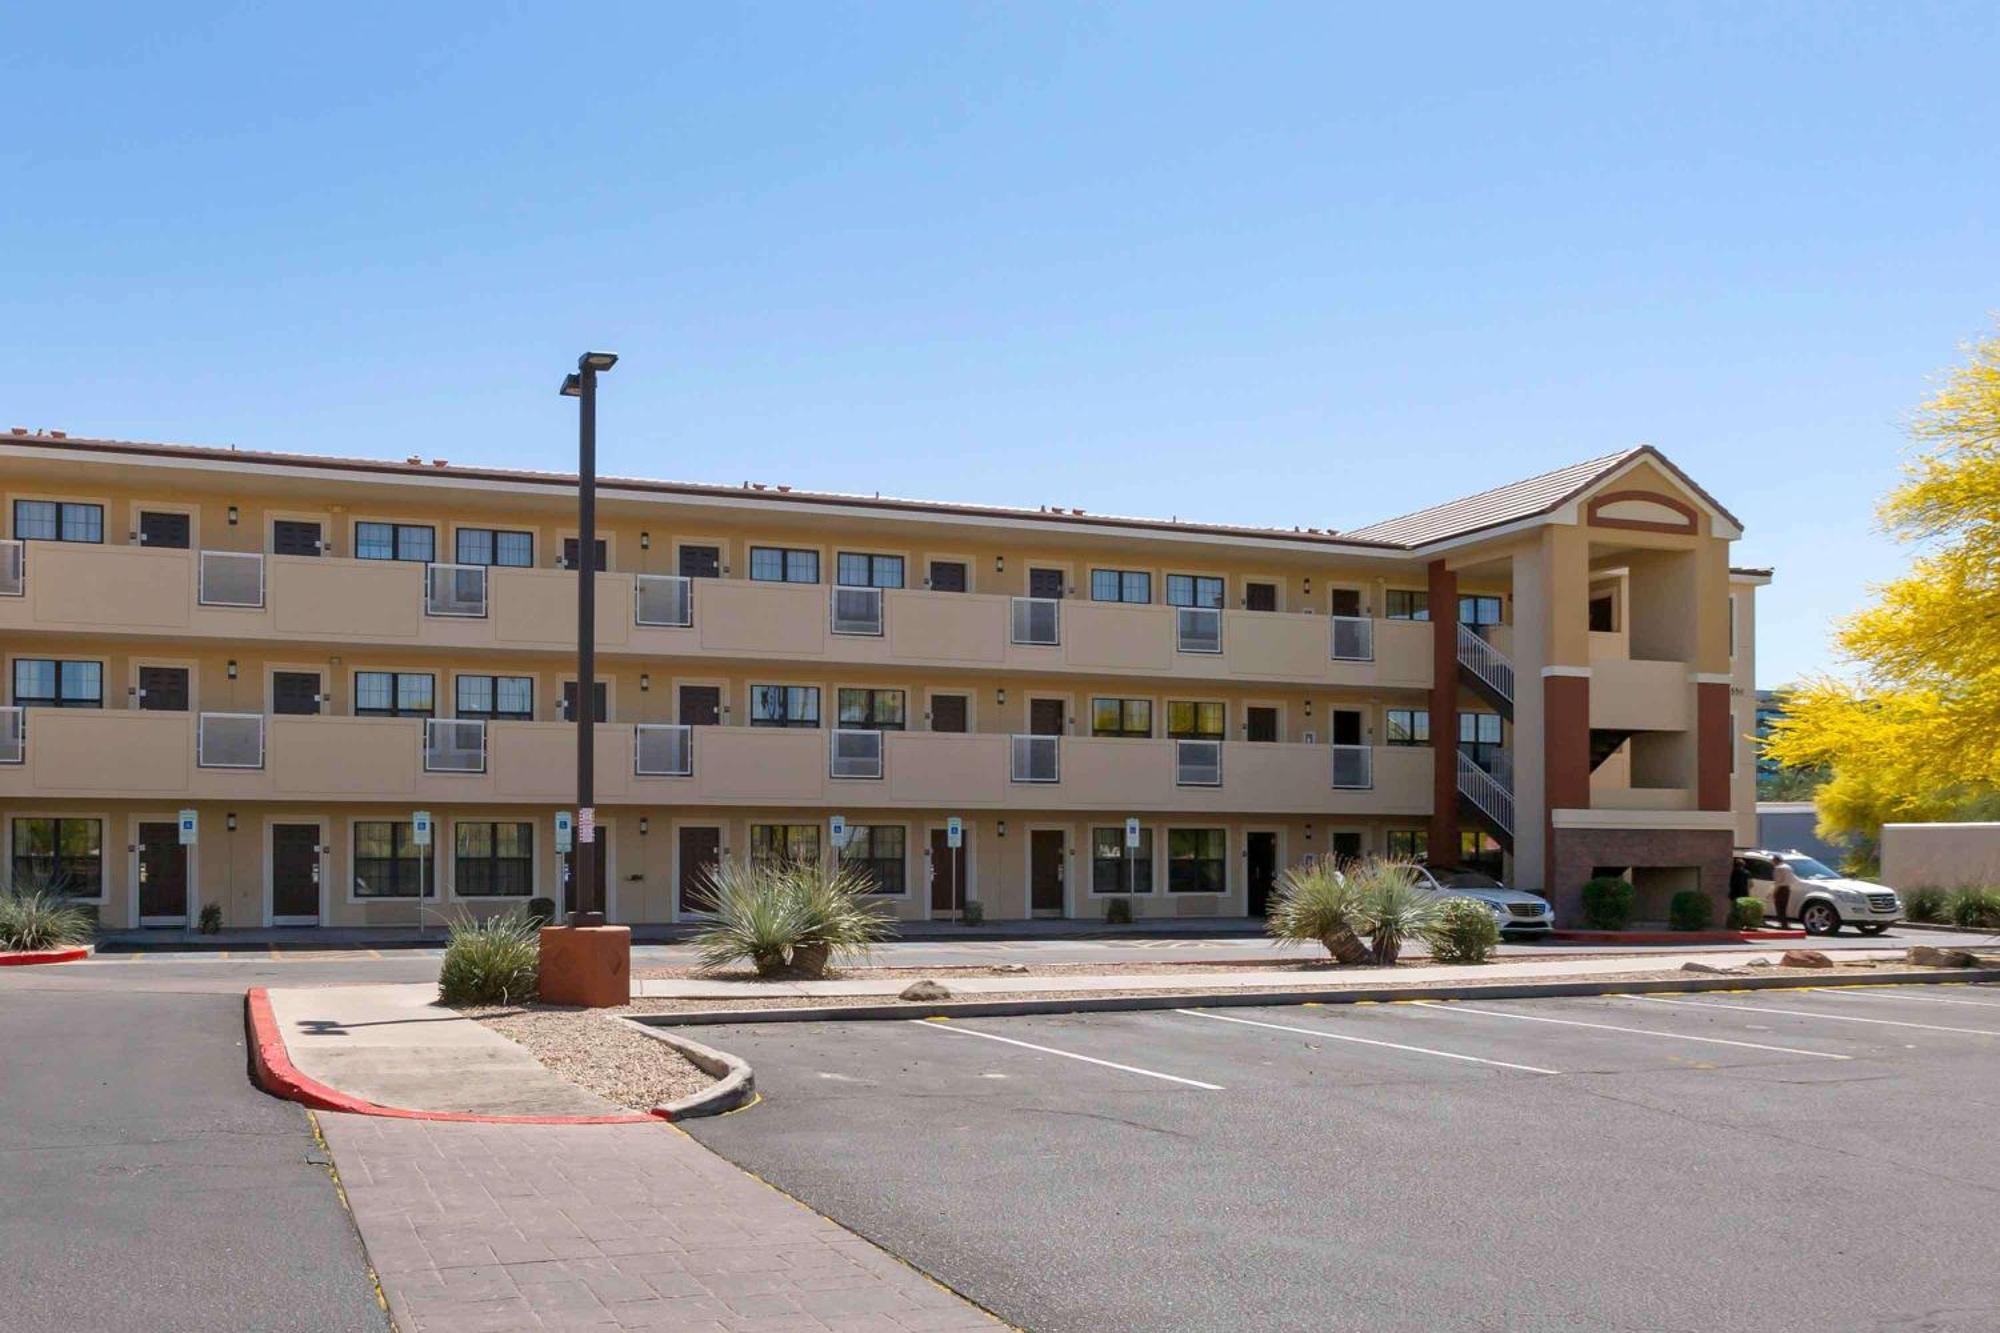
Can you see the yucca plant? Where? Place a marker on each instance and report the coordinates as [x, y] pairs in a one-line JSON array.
[[1393, 909], [37, 912], [497, 960], [838, 921], [805, 913], [1315, 901]]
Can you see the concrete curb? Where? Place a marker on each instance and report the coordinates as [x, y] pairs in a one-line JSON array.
[[272, 1070], [736, 1085], [1782, 979], [1673, 936], [33, 957]]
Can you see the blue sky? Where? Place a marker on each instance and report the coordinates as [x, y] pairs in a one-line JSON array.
[[1275, 264]]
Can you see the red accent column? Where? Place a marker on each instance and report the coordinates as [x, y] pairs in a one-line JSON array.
[[1714, 743], [1443, 834], [1565, 760]]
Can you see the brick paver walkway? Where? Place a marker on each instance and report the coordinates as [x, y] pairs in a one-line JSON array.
[[493, 1227]]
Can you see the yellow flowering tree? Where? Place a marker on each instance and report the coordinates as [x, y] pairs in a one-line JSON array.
[[1917, 736]]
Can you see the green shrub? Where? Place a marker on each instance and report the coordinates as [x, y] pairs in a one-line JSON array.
[[972, 913], [1607, 903], [1975, 909], [1464, 932], [1690, 909], [1393, 909], [1746, 914], [497, 960], [805, 913], [36, 912], [210, 921], [1315, 902], [542, 911], [1929, 903], [1118, 911]]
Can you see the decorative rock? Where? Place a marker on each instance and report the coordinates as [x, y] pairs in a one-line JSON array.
[[1009, 967], [1710, 968], [1923, 955], [1758, 962], [925, 989], [1804, 958]]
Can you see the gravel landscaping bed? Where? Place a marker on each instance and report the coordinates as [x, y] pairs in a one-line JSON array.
[[594, 1050]]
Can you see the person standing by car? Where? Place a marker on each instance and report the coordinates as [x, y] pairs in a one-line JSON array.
[[1782, 879]]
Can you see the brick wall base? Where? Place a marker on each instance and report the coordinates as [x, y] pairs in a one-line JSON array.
[[1579, 851]]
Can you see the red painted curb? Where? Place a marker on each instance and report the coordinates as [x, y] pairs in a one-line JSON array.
[[34, 956], [273, 1071], [1673, 936]]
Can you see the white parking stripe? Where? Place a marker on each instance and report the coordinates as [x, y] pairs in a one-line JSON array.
[[1612, 1027], [1366, 1041], [1067, 1055], [1807, 1013], [1845, 994]]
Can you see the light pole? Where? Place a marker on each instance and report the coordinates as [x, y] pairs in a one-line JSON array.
[[582, 386]]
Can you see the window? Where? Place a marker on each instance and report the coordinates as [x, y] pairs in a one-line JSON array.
[[876, 851], [1479, 729], [781, 564], [395, 541], [1409, 726], [1408, 844], [1121, 585], [509, 698], [1197, 860], [491, 546], [394, 694], [948, 712], [784, 705], [1260, 597], [870, 571], [1604, 614], [1194, 720], [1403, 604], [41, 682], [948, 576], [1732, 627], [1260, 724], [1113, 870], [493, 860], [871, 710], [1478, 610], [775, 844], [1121, 717], [1344, 602], [700, 562], [387, 861], [64, 852], [1193, 590], [58, 521]]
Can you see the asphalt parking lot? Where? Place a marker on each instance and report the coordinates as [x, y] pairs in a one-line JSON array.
[[1778, 1159]]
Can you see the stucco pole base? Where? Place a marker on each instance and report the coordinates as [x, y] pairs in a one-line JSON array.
[[590, 966]]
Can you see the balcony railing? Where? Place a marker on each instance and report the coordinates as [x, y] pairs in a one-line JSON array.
[[1197, 763], [454, 745], [455, 590], [662, 751], [13, 568], [1197, 629], [13, 735], [1486, 791], [1485, 661], [232, 578], [1353, 638], [1037, 620], [663, 599], [1036, 759], [855, 753], [1353, 767], [229, 740], [857, 611]]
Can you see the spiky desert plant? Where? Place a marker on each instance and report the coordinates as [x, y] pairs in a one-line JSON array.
[[1315, 901], [754, 915], [37, 912], [1393, 909], [497, 960], [838, 920]]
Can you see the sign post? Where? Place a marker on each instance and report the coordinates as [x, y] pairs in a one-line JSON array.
[[1131, 849], [837, 828], [954, 839], [420, 834], [190, 824]]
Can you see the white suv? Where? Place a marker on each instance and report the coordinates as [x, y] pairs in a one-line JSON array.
[[1515, 911], [1822, 900]]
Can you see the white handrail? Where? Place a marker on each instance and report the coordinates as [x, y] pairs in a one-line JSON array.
[[662, 750], [663, 599], [1353, 638], [13, 734], [1485, 661], [1486, 791], [1353, 767], [13, 567], [229, 740]]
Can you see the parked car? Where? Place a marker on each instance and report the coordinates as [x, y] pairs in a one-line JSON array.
[[1517, 911], [1794, 885]]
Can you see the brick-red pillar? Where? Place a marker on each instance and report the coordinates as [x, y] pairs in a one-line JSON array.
[[1443, 834], [1714, 743]]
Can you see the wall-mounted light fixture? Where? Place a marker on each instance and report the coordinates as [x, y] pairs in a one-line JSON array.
[[233, 516], [999, 564], [644, 825], [232, 668], [1309, 708], [229, 821], [1002, 693], [645, 541], [1309, 833], [1001, 828], [645, 682]]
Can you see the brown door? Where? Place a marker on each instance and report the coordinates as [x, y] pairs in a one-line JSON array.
[[1346, 602], [1260, 596], [947, 576], [569, 903], [569, 553], [569, 702], [701, 849], [701, 562], [168, 530], [947, 873], [163, 689], [701, 705], [947, 712], [1046, 716], [1346, 847], [1045, 583], [295, 873], [1346, 726], [291, 537], [295, 693], [1260, 724], [163, 884], [1045, 870], [1261, 851]]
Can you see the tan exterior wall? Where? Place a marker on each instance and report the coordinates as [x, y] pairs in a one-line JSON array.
[[1948, 856]]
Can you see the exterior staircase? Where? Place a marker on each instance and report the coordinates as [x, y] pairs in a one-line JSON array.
[[1486, 797], [1486, 671]]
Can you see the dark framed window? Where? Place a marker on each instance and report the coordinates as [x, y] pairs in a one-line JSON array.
[[496, 546], [493, 859], [1131, 718], [1407, 604], [1197, 860], [1344, 601], [877, 851], [775, 844], [394, 694], [1409, 726], [42, 682], [948, 576], [1479, 729], [505, 698], [871, 710], [1260, 596], [783, 564], [1194, 590], [784, 705], [1195, 719], [395, 541], [1112, 870], [1604, 614], [700, 562], [860, 570], [64, 852], [600, 698], [1409, 844], [387, 861], [570, 557], [1121, 585], [948, 712], [1479, 609], [58, 521]]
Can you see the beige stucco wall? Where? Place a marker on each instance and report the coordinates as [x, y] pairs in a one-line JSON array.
[[1917, 856]]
